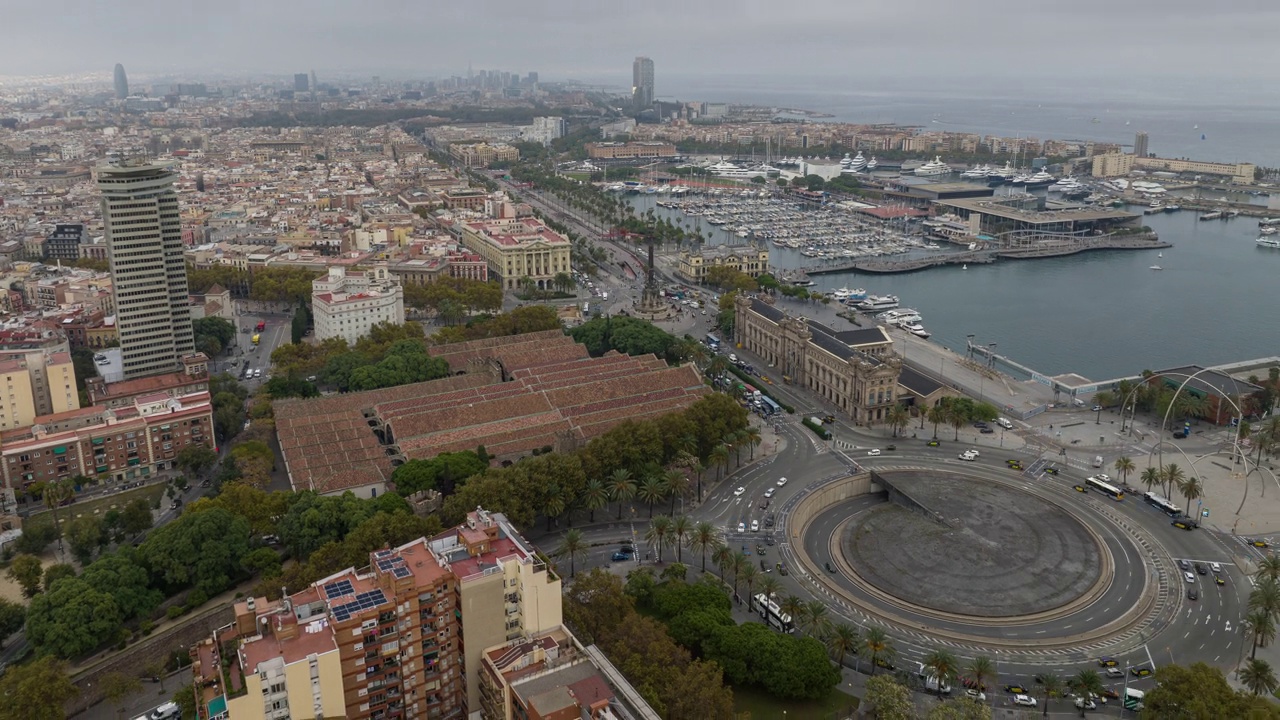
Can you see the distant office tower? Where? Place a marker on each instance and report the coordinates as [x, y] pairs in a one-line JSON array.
[[300, 83], [1140, 145], [144, 245], [642, 82], [122, 83]]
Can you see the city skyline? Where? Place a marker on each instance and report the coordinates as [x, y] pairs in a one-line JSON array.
[[925, 37]]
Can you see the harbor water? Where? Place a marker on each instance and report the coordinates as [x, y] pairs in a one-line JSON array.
[[1101, 314]]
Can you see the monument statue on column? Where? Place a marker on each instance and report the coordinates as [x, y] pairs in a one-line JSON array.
[[652, 306]]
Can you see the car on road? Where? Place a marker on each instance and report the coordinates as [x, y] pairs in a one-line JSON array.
[[1108, 662], [1024, 700], [1193, 594], [968, 455], [1179, 435], [1085, 703], [1079, 488], [828, 419], [1215, 567], [1259, 543], [1201, 569], [742, 527], [1189, 577], [739, 491], [769, 493], [769, 540], [933, 443], [873, 452], [885, 664], [1140, 671], [1015, 465], [1185, 564], [760, 549], [1111, 693], [1051, 470], [976, 694], [979, 424], [1015, 689], [782, 481], [755, 526], [102, 361], [1114, 672], [1184, 525], [1219, 580], [986, 431], [620, 557], [831, 568]]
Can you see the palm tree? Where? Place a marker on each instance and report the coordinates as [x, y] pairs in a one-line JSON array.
[[749, 575], [817, 621], [1191, 489], [1051, 686], [937, 415], [1124, 465], [769, 586], [943, 666], [1151, 477], [734, 444], [650, 491], [877, 646], [720, 458], [658, 534], [681, 528], [621, 488], [1173, 477], [1269, 568], [594, 497], [980, 670], [842, 640], [793, 606], [573, 547], [1087, 684], [1258, 677], [722, 556], [739, 565], [56, 492], [1266, 596], [702, 539], [1261, 625], [677, 486], [753, 439], [956, 417], [897, 418]]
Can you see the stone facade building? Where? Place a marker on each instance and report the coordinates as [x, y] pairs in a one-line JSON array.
[[749, 260], [854, 370]]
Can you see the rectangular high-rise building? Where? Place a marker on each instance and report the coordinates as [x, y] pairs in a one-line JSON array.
[[144, 246], [1140, 145], [642, 82], [300, 82]]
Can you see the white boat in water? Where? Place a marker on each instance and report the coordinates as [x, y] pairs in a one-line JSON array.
[[934, 167], [1268, 241], [871, 164], [845, 293], [1156, 267], [879, 302], [1040, 178], [916, 329], [853, 165]]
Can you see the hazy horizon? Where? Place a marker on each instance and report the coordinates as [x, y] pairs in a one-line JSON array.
[[875, 39]]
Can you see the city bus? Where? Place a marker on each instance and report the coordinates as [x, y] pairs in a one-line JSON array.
[[773, 615], [1133, 698], [1097, 483], [1162, 504], [770, 407], [712, 341]]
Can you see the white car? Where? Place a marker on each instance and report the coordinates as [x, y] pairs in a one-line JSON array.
[[769, 493], [1215, 567], [976, 695], [1190, 578], [739, 491], [782, 481], [873, 452], [1024, 700], [973, 452], [755, 526], [742, 527], [968, 456]]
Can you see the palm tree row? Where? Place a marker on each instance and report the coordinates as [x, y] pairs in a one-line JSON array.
[[1264, 604], [1169, 478], [621, 488]]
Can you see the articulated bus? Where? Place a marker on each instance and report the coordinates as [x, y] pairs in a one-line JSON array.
[[773, 615], [1162, 504], [1100, 485]]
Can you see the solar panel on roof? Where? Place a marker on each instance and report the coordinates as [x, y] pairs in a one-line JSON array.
[[401, 572], [338, 589]]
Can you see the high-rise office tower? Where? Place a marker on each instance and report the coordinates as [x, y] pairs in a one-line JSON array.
[[642, 82], [144, 245], [1140, 145], [121, 82], [300, 83]]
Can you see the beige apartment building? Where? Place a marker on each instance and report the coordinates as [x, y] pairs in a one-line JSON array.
[[1123, 164], [749, 260], [630, 150], [403, 637], [36, 383], [518, 248], [484, 154], [1112, 165]]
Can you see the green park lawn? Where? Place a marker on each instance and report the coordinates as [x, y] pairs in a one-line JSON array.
[[754, 704]]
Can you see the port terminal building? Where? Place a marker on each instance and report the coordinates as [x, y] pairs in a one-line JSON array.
[[1027, 218]]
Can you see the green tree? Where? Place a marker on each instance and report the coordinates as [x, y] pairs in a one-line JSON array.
[[1150, 477], [56, 572], [37, 690], [704, 538], [681, 532], [27, 571], [962, 708], [574, 546], [1195, 691], [1173, 477], [12, 616], [194, 460], [1086, 683], [85, 535], [981, 670], [876, 646], [1192, 489], [594, 497], [202, 550], [1124, 465], [889, 699], [1260, 624], [937, 415], [897, 418], [943, 666], [658, 535], [1269, 567], [1051, 686], [73, 618], [651, 491], [841, 641], [1258, 677], [815, 619], [621, 488], [722, 556]]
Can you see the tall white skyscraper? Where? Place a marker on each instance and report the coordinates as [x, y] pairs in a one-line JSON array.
[[642, 82], [144, 242]]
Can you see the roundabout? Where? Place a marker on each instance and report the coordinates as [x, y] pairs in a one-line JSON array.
[[984, 562]]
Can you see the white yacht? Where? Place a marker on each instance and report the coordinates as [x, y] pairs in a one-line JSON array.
[[1268, 241], [934, 167], [871, 164], [1020, 179], [1004, 174], [857, 164], [1041, 178], [879, 302], [1066, 185], [978, 172], [845, 293], [916, 329]]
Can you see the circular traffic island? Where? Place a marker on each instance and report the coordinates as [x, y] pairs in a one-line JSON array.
[[964, 547]]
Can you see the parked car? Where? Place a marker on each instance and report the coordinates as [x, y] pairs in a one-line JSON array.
[[1024, 700], [620, 557]]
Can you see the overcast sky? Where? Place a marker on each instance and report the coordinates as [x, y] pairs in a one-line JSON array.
[[597, 39]]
